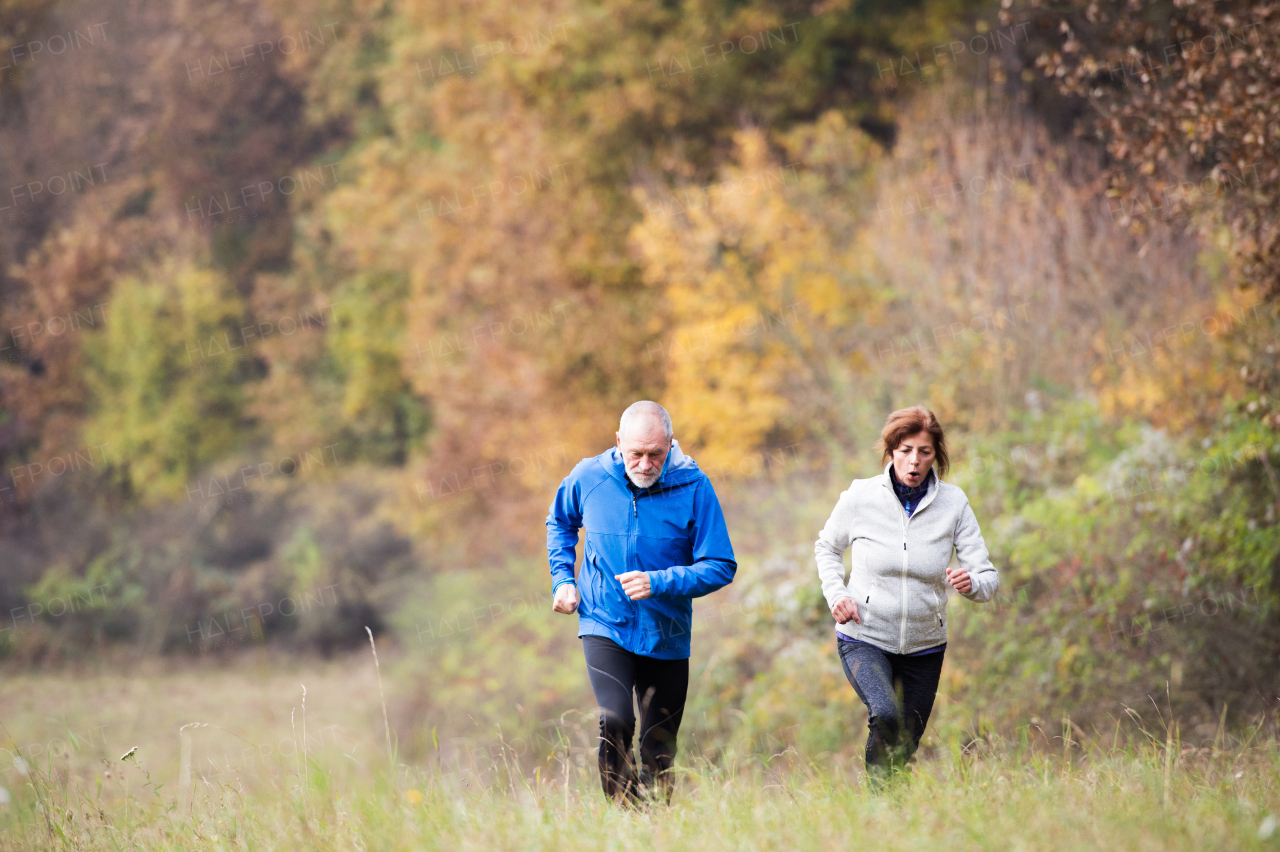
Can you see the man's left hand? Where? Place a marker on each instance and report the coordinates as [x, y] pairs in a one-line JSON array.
[[635, 584]]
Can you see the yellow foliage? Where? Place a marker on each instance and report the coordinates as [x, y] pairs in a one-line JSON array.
[[1176, 373], [758, 291]]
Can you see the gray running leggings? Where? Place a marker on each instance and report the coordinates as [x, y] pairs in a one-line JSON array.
[[898, 691]]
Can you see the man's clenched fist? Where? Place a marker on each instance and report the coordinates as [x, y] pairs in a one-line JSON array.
[[635, 584], [566, 599]]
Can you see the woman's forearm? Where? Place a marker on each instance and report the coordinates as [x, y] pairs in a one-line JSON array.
[[829, 550]]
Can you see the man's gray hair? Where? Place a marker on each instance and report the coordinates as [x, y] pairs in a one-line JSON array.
[[646, 408]]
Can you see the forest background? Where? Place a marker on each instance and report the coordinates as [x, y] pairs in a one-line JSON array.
[[306, 307]]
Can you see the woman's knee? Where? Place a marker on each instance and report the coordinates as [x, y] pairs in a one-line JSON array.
[[885, 717]]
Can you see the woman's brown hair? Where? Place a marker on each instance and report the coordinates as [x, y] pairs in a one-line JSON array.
[[904, 423]]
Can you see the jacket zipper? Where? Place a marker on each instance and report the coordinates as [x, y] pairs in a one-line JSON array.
[[635, 538], [902, 631], [906, 521]]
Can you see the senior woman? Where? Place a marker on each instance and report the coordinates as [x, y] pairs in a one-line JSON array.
[[901, 528]]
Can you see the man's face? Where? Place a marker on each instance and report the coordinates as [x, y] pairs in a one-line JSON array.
[[912, 458], [644, 450]]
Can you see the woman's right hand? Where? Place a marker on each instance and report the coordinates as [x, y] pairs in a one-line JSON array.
[[846, 610]]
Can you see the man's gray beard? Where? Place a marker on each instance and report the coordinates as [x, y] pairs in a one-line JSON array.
[[638, 482]]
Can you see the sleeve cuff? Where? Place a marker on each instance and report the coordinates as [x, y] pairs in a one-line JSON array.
[[655, 583], [561, 583]]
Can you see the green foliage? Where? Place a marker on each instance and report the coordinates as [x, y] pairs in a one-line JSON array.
[[165, 380], [1111, 536], [482, 646], [384, 418]]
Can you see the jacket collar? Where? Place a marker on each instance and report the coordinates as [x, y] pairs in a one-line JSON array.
[[934, 482], [678, 469], [903, 490]]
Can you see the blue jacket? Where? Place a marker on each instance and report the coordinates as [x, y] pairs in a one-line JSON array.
[[674, 530]]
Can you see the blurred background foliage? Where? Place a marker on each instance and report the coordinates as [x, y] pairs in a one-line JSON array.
[[315, 345]]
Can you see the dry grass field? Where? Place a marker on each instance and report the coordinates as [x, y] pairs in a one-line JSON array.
[[232, 758]]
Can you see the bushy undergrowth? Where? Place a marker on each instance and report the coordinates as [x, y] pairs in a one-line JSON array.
[[1132, 563]]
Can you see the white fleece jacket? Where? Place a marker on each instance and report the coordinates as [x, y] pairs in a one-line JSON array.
[[898, 579]]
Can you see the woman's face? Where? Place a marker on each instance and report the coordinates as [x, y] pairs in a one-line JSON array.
[[912, 458]]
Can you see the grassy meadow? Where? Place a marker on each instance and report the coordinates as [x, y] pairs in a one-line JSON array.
[[489, 739], [251, 787]]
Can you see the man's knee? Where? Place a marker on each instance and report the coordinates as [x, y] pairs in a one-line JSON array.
[[658, 743], [617, 726]]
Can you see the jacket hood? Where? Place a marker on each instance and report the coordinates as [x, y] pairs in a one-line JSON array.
[[678, 469]]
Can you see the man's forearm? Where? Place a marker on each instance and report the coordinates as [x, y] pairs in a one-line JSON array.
[[692, 581], [561, 570], [562, 550]]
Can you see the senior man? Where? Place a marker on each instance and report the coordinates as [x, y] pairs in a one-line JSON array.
[[656, 539]]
